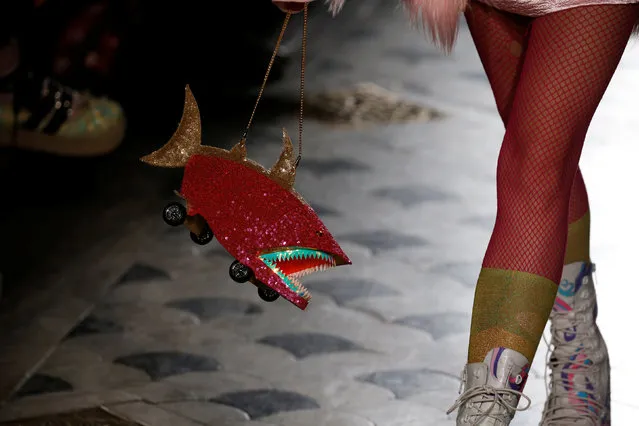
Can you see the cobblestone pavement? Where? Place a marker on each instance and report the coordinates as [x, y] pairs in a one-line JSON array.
[[172, 341]]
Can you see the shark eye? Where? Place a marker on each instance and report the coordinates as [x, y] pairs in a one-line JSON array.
[[319, 233]]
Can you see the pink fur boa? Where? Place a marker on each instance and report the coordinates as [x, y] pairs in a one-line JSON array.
[[439, 17], [335, 5]]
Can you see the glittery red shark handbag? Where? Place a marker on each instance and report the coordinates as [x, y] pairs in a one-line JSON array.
[[254, 212]]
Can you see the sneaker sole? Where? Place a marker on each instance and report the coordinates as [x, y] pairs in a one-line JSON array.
[[91, 146]]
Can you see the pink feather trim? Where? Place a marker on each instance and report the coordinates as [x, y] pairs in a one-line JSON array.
[[440, 17], [335, 6]]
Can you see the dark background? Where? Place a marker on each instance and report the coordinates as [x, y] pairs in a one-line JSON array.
[[221, 51], [54, 208]]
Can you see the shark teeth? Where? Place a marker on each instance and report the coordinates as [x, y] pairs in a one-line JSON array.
[[298, 254], [275, 259]]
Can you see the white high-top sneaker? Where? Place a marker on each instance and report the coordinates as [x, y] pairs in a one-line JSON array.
[[579, 365], [491, 389]]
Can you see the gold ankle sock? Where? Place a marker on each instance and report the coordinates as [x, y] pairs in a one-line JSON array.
[[510, 310], [578, 242]]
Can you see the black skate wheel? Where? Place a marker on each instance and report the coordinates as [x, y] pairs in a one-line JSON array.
[[267, 294], [174, 214], [239, 272], [205, 237]]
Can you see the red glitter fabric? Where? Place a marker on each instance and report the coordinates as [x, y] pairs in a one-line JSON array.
[[250, 214], [570, 57], [500, 38]]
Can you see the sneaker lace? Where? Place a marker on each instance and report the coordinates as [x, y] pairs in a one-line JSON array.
[[557, 356], [496, 397]]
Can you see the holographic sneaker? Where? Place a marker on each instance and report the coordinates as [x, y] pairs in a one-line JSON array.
[[492, 389], [579, 385], [40, 114]]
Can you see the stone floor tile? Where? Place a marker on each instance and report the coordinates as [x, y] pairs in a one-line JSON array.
[[241, 423], [150, 414], [34, 406], [136, 317], [97, 375], [261, 403], [205, 412], [40, 383], [318, 418], [333, 392], [213, 333], [209, 385], [401, 413], [161, 392]]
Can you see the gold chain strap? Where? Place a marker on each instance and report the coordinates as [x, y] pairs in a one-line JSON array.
[[302, 81]]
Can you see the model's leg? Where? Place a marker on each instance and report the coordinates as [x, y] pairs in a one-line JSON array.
[[570, 58], [500, 39], [579, 363]]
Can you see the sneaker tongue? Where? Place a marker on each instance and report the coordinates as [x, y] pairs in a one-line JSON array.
[[507, 368]]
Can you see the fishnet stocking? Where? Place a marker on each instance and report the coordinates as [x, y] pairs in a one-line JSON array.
[[579, 204], [500, 39], [570, 58], [548, 76]]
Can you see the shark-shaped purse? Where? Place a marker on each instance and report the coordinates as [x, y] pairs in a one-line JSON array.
[[255, 213]]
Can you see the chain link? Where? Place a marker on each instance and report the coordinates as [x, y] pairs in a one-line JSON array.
[[302, 81]]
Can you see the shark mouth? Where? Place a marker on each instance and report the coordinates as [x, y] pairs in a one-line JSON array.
[[293, 263]]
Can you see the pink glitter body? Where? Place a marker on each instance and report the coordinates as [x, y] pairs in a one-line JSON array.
[[251, 214]]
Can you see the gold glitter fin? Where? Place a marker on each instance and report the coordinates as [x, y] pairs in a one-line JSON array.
[[186, 140], [238, 152], [283, 171]]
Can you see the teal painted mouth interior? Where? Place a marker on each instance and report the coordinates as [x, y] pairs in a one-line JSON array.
[[272, 259]]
